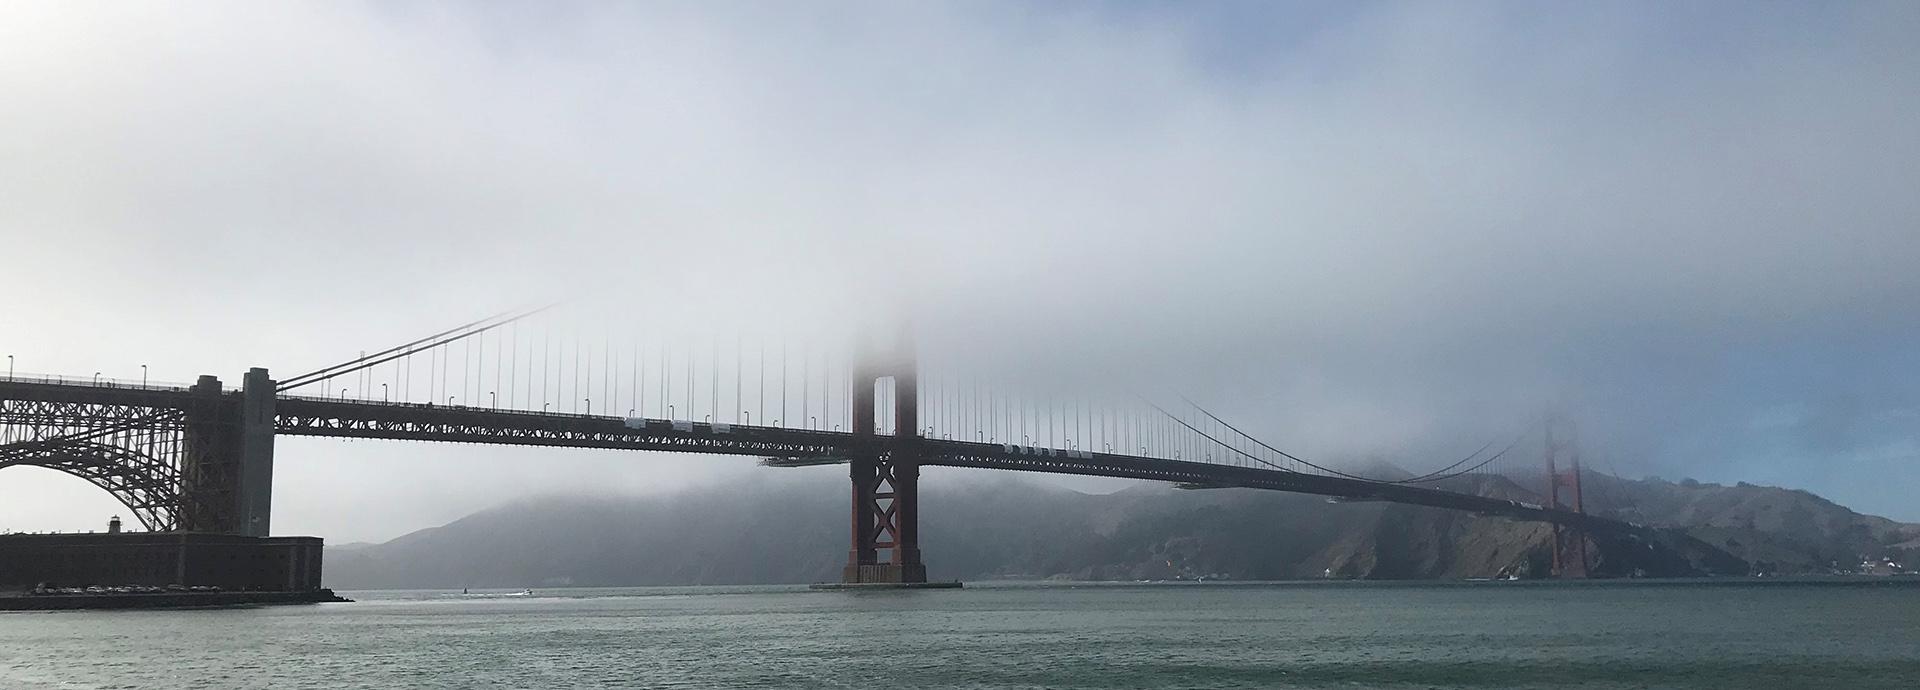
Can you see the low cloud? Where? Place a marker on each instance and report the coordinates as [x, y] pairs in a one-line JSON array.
[[1391, 230]]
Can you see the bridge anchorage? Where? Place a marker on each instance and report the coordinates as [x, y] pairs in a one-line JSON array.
[[183, 459]]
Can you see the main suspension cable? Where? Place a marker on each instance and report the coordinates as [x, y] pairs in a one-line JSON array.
[[1437, 475], [450, 335]]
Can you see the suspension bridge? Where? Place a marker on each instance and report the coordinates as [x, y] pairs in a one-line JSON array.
[[199, 458]]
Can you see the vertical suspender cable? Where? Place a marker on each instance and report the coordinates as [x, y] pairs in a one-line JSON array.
[[806, 386], [783, 380], [691, 415]]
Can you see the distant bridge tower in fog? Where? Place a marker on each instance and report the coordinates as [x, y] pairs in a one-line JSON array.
[[1563, 493]]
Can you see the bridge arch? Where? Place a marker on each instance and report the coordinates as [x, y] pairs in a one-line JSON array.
[[147, 486]]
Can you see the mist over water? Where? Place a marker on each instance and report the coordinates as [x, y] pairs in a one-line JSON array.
[[1375, 236]]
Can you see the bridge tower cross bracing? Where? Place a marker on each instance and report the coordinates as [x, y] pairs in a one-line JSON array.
[[885, 473]]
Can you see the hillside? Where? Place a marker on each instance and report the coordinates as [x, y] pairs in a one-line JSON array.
[[1781, 531], [792, 529]]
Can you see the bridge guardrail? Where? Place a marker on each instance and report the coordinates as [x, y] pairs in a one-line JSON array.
[[433, 406], [718, 427], [97, 382]]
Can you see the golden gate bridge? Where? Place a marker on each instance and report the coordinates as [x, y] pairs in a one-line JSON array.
[[198, 458]]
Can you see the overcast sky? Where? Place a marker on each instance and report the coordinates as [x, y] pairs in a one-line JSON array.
[[1366, 229]]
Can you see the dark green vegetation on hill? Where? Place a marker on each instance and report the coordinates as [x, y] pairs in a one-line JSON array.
[[793, 529]]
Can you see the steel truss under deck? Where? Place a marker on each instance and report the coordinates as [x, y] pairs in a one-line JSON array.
[[137, 443], [310, 417]]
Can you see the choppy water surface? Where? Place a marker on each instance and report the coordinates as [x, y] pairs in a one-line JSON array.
[[1332, 635]]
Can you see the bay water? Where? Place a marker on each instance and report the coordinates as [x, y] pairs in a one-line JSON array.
[[1694, 634]]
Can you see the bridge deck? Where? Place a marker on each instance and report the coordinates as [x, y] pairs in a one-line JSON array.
[[355, 419], [299, 416]]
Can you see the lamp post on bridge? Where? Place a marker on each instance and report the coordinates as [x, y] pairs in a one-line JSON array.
[[589, 406], [9, 367], [143, 376], [494, 397], [383, 393], [96, 378]]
